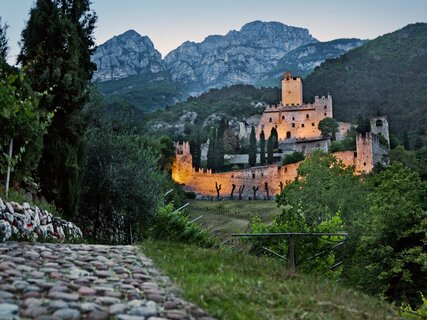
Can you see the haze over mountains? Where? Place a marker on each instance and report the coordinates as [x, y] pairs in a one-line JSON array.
[[253, 55]]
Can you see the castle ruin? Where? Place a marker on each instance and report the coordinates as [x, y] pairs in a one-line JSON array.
[[297, 127]]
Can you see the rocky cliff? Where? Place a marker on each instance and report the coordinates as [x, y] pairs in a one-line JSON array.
[[237, 57], [304, 59], [126, 55]]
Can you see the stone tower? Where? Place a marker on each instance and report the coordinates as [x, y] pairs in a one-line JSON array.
[[379, 125], [291, 90], [373, 147], [182, 167]]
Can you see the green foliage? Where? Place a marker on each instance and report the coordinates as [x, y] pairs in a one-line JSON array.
[[411, 159], [347, 144], [323, 198], [122, 179], [252, 147], [411, 313], [23, 121], [386, 75], [328, 128], [295, 157], [56, 47], [236, 286], [176, 227], [391, 258], [238, 101], [144, 92]]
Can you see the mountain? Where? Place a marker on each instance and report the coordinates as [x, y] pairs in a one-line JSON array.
[[237, 57], [126, 55], [387, 75], [304, 59], [131, 69]]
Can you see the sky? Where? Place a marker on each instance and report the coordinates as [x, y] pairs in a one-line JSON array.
[[169, 23]]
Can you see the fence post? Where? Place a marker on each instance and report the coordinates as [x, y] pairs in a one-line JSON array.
[[291, 253]]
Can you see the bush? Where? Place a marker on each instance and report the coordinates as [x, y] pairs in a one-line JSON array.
[[176, 227], [295, 157]]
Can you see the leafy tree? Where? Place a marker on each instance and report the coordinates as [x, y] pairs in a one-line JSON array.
[[252, 147], [122, 183], [262, 147], [391, 258], [56, 47], [23, 125], [328, 128]]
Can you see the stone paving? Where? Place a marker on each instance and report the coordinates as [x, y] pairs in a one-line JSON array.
[[64, 281]]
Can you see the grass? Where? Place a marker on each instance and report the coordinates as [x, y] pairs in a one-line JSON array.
[[230, 216], [240, 286]]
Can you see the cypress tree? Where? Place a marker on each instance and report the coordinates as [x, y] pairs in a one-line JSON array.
[[4, 47], [270, 149], [262, 147], [252, 148], [56, 47], [220, 144], [211, 156], [276, 138]]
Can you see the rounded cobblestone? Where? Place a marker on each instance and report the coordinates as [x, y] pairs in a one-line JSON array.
[[63, 281]]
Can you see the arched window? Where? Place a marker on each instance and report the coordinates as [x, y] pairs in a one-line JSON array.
[[302, 125], [379, 123], [253, 175], [283, 117], [307, 116], [271, 119]]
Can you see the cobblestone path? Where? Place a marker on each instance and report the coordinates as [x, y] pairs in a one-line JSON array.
[[62, 281]]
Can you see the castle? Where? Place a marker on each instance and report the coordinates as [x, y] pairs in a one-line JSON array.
[[297, 127], [293, 119]]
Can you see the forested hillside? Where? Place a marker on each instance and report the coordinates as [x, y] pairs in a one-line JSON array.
[[387, 75]]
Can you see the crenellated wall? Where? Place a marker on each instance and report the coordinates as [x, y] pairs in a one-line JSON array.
[[203, 181]]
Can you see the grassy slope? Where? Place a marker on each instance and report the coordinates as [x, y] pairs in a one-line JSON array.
[[228, 216], [239, 286]]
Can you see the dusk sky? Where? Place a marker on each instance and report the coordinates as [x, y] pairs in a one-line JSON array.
[[170, 22]]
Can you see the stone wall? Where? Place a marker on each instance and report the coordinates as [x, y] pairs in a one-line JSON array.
[[30, 223], [203, 182]]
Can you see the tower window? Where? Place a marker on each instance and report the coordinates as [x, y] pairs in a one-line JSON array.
[[312, 124], [325, 114], [253, 175], [271, 119], [364, 163], [293, 118], [283, 117], [379, 123], [302, 125], [288, 135], [293, 125], [307, 116], [325, 107]]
